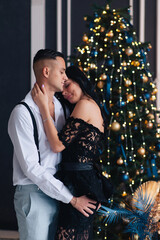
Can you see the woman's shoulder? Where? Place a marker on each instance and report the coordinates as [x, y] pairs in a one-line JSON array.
[[87, 103], [84, 109]]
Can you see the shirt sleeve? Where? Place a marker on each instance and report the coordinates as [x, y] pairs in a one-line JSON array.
[[20, 129], [71, 130]]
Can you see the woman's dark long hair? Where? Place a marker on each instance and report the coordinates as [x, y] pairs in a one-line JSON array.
[[79, 77], [76, 75]]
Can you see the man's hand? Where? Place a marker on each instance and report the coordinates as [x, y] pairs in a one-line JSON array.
[[83, 205]]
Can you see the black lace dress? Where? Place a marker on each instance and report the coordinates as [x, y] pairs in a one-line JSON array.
[[82, 141]]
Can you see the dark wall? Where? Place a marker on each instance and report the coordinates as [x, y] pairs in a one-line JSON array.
[[14, 84], [15, 67]]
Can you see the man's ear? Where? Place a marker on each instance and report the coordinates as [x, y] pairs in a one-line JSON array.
[[46, 72]]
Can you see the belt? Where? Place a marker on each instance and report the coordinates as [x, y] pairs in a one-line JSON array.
[[68, 166]]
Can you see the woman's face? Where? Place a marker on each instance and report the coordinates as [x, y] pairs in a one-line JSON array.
[[72, 91]]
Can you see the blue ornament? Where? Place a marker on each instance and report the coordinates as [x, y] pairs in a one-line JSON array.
[[109, 201], [140, 99], [125, 177], [129, 40], [147, 95], [141, 169], [91, 25], [130, 158], [158, 146], [135, 127], [121, 103], [94, 53], [123, 20], [96, 14], [116, 80], [114, 43], [141, 62], [141, 76], [109, 62], [142, 53], [154, 156]]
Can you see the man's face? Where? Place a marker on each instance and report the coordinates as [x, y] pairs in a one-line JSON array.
[[57, 74]]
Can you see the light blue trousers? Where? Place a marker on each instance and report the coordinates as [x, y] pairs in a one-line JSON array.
[[37, 213]]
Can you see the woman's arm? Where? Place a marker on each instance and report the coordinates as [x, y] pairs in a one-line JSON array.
[[41, 99]]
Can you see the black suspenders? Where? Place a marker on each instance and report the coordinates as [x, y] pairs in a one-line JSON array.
[[34, 127]]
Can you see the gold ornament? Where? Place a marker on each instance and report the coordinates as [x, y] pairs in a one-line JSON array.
[[155, 90], [107, 7], [150, 116], [115, 126], [103, 76], [110, 34], [122, 26], [120, 161], [137, 172], [149, 125], [85, 18], [130, 114], [145, 78], [92, 65], [122, 137], [124, 194], [129, 51], [149, 46], [105, 174], [127, 82], [85, 38], [100, 84], [130, 97], [135, 63], [153, 98], [102, 29], [119, 90], [135, 237], [122, 204], [157, 135], [152, 148], [111, 105], [124, 64], [141, 151]]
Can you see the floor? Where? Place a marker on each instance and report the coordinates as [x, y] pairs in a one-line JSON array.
[[10, 235]]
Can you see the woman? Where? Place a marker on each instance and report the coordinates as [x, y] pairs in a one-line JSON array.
[[79, 140]]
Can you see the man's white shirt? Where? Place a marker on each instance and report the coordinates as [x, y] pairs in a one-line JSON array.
[[26, 168]]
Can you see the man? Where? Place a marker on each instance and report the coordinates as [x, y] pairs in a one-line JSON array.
[[37, 190]]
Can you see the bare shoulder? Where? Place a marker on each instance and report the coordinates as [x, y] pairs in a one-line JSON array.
[[81, 110], [84, 109], [89, 111], [86, 104]]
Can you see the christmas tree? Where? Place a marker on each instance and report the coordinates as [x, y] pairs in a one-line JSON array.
[[116, 62]]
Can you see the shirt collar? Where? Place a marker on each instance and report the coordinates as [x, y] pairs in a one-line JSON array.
[[32, 104]]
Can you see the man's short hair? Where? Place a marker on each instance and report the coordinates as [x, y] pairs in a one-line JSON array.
[[46, 54]]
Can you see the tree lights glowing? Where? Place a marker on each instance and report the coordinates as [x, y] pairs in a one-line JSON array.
[[116, 62]]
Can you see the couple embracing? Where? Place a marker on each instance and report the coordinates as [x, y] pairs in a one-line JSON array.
[[53, 200]]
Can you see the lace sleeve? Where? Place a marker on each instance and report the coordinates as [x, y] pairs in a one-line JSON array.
[[71, 130]]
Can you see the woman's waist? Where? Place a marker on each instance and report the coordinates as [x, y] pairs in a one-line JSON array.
[[77, 166]]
